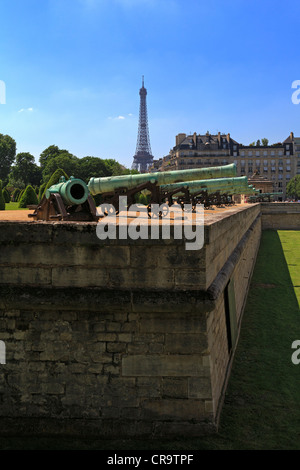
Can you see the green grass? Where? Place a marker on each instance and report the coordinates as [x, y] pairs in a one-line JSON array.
[[13, 206], [261, 408]]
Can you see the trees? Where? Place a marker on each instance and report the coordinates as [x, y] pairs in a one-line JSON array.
[[2, 201], [293, 188], [66, 161], [25, 171], [7, 155], [265, 142], [90, 167]]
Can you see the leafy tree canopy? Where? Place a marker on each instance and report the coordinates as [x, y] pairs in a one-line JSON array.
[[293, 187], [7, 155], [66, 161], [25, 171]]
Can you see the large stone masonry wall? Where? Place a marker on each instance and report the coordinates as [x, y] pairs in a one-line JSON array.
[[118, 337], [280, 216]]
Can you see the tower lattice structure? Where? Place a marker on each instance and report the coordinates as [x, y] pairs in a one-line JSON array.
[[143, 157]]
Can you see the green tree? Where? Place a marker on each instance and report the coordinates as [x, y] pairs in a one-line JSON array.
[[25, 171], [90, 167], [258, 143], [252, 144], [65, 161], [29, 197], [265, 142], [2, 200], [50, 152], [7, 155], [293, 187]]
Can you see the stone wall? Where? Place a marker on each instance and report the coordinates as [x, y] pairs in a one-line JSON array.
[[120, 337], [280, 215]]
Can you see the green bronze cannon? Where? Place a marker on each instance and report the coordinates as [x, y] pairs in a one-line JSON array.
[[217, 191], [263, 197], [112, 187], [66, 200]]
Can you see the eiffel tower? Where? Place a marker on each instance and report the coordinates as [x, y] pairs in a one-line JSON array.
[[143, 157]]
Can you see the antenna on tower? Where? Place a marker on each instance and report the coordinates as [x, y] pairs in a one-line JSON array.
[[143, 81]]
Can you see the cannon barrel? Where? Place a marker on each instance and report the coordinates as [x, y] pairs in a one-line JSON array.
[[112, 183], [73, 192], [213, 184]]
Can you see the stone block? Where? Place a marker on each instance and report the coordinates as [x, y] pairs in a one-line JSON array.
[[175, 388], [179, 323], [199, 387], [79, 277], [163, 365], [25, 275], [168, 409], [186, 343]]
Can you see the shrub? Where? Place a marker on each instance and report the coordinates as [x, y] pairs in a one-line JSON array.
[[15, 195], [54, 180], [6, 195], [29, 197], [2, 200], [20, 195]]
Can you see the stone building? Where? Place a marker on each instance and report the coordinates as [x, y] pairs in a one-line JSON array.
[[277, 163]]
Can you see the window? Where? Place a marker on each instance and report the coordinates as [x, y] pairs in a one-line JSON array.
[[288, 168], [250, 153], [272, 152], [242, 153], [280, 184], [235, 154], [257, 153], [280, 152], [288, 152]]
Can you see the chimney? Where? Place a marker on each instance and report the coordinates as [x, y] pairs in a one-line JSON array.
[[195, 138], [292, 136], [228, 138], [180, 138]]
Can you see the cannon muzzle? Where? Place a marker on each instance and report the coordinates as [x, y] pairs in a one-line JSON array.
[[73, 192], [66, 200]]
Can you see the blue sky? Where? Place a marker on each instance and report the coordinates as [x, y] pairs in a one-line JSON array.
[[73, 69]]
